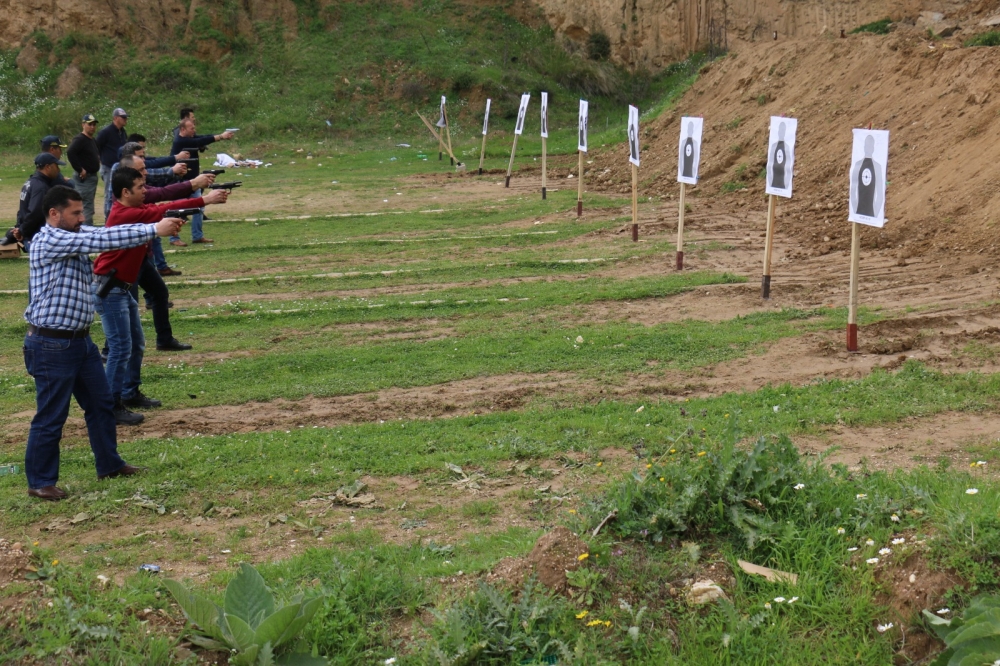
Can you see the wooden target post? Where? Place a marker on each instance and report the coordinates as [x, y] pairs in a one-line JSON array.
[[510, 165], [680, 231], [435, 133], [765, 282], [543, 166], [579, 186], [447, 131], [852, 307], [482, 155], [635, 203]]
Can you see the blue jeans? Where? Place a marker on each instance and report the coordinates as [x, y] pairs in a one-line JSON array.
[[159, 259], [120, 317], [62, 368], [196, 220]]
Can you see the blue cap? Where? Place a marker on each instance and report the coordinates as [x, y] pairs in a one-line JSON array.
[[45, 159]]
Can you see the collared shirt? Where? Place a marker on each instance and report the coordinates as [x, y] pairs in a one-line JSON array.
[[109, 197], [60, 272]]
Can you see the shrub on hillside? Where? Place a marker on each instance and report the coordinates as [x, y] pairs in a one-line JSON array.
[[875, 27], [598, 46], [991, 38]]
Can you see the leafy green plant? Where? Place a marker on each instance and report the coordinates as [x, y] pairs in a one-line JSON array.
[[990, 38], [488, 627], [248, 622], [598, 46], [728, 489], [973, 638], [880, 27], [584, 584]]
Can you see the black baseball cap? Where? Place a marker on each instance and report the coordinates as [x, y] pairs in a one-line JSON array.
[[45, 159], [51, 140], [89, 118]]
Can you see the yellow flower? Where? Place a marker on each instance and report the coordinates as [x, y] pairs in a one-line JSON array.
[[648, 465], [582, 557], [594, 623], [701, 453], [662, 479], [55, 562], [599, 464], [673, 450], [607, 623], [295, 472], [35, 544], [572, 510], [582, 614], [727, 416]]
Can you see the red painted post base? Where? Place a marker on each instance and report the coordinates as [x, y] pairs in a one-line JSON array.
[[579, 208], [852, 337], [680, 261], [635, 233], [543, 192], [507, 182], [765, 287]]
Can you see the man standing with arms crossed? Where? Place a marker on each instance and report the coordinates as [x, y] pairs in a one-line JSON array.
[[109, 140], [85, 159], [58, 351]]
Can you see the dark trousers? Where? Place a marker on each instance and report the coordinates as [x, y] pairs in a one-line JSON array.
[[64, 368], [158, 295]]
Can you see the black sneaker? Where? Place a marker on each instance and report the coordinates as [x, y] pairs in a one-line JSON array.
[[141, 400], [149, 304], [173, 345], [124, 417]]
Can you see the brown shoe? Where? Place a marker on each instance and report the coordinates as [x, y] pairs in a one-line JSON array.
[[127, 470], [179, 243], [50, 493], [168, 271], [203, 240]]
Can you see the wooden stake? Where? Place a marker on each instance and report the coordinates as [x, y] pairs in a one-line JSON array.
[[635, 203], [447, 131], [680, 232], [482, 154], [434, 132], [510, 166], [579, 185], [543, 166], [852, 308], [440, 147], [765, 283]]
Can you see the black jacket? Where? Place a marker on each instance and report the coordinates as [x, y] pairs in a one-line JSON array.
[[192, 144], [30, 216], [109, 140], [83, 155]]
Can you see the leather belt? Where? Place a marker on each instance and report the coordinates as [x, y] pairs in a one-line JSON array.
[[121, 284], [58, 333]]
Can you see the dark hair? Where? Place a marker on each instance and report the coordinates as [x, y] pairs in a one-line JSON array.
[[131, 148], [137, 138], [185, 112], [58, 197], [123, 179]]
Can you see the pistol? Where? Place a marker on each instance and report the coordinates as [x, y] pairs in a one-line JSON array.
[[214, 172], [226, 186], [183, 213]]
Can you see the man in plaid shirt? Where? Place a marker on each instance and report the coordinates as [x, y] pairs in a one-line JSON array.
[[58, 351]]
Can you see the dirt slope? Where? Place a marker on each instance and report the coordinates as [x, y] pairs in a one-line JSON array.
[[940, 102]]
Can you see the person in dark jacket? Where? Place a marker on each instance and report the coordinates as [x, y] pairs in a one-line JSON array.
[[189, 141], [52, 144], [30, 215], [86, 162], [109, 140]]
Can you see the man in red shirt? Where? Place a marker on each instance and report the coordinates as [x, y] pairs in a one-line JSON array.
[[119, 312]]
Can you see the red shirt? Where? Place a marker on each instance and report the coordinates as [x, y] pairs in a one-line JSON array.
[[128, 262]]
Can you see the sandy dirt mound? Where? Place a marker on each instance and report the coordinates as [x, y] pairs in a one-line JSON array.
[[554, 554], [940, 102]]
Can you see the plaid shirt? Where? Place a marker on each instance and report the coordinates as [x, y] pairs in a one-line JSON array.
[[60, 272]]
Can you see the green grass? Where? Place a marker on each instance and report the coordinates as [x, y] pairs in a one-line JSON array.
[[880, 27], [988, 38]]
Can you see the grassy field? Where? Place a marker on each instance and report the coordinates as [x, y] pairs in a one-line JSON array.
[[493, 288]]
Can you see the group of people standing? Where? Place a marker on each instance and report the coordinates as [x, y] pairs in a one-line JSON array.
[[55, 224]]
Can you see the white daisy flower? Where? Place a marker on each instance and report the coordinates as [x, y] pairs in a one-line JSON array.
[[972, 491], [793, 600], [799, 486], [882, 628], [841, 530], [779, 600], [860, 496], [852, 549], [894, 518], [872, 560], [943, 611], [870, 542], [767, 605], [896, 542], [885, 551]]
